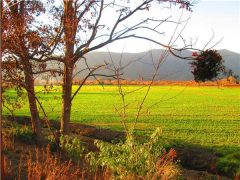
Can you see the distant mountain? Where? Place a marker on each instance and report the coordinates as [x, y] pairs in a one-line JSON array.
[[232, 60], [140, 65]]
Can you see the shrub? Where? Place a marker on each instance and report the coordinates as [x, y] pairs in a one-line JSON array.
[[72, 146], [207, 65], [131, 159], [24, 134]]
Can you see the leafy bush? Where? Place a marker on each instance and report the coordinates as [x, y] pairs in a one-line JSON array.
[[207, 65], [24, 134], [131, 159], [72, 146]]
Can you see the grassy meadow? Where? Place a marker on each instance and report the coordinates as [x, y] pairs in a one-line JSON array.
[[208, 116]]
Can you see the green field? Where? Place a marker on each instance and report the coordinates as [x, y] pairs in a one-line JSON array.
[[195, 117], [208, 116]]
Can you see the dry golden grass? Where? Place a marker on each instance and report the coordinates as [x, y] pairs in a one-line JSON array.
[[166, 168], [44, 165], [7, 141]]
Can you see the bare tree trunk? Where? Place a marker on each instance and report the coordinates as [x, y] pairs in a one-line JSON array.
[[1, 138], [35, 119], [70, 28], [66, 100]]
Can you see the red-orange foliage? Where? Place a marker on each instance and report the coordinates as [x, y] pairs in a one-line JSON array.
[[24, 42]]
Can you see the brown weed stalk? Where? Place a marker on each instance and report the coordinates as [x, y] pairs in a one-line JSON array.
[[44, 165]]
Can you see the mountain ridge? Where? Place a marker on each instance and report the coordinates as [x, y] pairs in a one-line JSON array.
[[141, 65]]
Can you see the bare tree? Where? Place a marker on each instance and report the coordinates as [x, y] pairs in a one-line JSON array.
[[84, 31]]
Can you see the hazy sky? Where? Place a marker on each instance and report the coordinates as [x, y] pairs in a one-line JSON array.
[[220, 17]]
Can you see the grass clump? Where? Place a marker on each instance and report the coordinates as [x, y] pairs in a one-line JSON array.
[[132, 159], [230, 164]]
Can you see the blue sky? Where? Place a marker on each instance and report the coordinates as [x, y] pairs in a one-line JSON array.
[[209, 16]]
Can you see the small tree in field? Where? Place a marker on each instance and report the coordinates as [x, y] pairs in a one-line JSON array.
[[207, 65]]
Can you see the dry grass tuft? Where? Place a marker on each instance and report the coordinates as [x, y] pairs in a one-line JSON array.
[[44, 165], [7, 142], [166, 168]]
